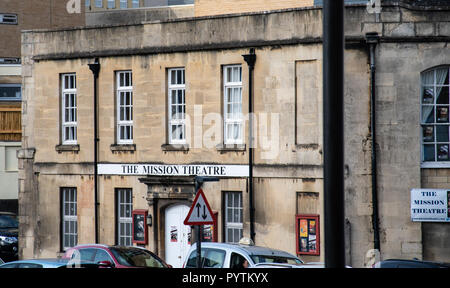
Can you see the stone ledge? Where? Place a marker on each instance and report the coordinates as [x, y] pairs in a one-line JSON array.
[[67, 148], [175, 147], [223, 148], [123, 148]]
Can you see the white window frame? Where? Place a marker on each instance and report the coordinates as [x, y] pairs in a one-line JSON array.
[[122, 3], [232, 117], [435, 123], [8, 19], [135, 4], [177, 119], [124, 204], [98, 3], [235, 211], [17, 98], [124, 136], [69, 216], [111, 4], [69, 109]]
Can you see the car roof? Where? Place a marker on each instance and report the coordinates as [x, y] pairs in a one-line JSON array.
[[416, 261], [246, 249], [47, 262], [56, 262]]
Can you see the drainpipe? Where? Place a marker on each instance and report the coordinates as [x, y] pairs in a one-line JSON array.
[[250, 59], [372, 39], [95, 68]]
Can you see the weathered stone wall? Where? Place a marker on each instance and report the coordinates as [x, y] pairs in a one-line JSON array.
[[217, 7], [135, 16]]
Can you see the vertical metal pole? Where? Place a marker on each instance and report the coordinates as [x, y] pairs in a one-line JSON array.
[[333, 129], [198, 184]]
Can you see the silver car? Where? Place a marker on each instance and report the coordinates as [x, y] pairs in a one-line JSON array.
[[48, 263], [223, 255]]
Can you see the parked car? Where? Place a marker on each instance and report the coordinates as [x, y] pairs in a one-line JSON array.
[[404, 263], [116, 256], [48, 263], [224, 255], [8, 236]]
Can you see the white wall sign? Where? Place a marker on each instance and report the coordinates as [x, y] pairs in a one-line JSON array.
[[173, 170], [430, 205]]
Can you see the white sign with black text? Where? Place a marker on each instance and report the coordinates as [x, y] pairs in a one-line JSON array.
[[129, 169], [430, 205]]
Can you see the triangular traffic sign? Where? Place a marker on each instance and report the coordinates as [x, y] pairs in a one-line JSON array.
[[200, 212]]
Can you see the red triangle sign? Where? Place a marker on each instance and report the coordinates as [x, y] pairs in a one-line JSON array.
[[200, 212]]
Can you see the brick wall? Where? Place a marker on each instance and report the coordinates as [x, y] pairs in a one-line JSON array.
[[216, 7]]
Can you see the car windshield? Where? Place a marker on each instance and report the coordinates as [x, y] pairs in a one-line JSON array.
[[274, 259], [7, 221], [135, 257]]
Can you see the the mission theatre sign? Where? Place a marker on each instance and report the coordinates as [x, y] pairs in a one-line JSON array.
[[173, 170]]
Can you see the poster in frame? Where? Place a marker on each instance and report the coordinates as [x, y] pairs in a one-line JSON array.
[[139, 227], [307, 234]]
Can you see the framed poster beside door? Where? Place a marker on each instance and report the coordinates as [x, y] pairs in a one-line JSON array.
[[307, 234], [139, 226]]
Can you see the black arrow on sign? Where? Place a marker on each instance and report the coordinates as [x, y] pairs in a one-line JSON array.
[[204, 213], [198, 209]]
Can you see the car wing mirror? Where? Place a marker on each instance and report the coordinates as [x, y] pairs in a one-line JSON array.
[[105, 264]]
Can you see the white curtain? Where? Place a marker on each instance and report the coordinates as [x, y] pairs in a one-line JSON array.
[[441, 75], [427, 79]]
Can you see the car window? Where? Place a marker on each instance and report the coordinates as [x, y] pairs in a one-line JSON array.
[[135, 257], [29, 265], [87, 254], [192, 260], [7, 221], [102, 255], [11, 265], [214, 258], [274, 259], [237, 261]]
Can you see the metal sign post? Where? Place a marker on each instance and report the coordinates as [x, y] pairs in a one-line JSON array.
[[200, 213], [333, 131]]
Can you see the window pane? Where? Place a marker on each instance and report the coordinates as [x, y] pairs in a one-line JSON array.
[[428, 151], [174, 96], [427, 114], [10, 92], [442, 114], [428, 95], [442, 93], [442, 152], [173, 77]]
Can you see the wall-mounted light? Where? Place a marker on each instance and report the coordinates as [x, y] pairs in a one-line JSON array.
[[149, 220]]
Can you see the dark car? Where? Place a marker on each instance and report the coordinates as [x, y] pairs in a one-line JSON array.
[[116, 256], [401, 263], [8, 237]]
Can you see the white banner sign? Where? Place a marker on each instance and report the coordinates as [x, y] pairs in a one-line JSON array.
[[173, 170], [430, 205]]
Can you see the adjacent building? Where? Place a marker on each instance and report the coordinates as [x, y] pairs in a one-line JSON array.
[[14, 17], [171, 100]]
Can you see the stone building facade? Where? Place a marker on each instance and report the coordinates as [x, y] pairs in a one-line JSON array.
[[288, 177]]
